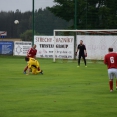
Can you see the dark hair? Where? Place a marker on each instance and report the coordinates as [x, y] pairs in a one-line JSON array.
[[110, 49], [26, 59]]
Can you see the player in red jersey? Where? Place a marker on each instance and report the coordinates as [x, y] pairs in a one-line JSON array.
[[31, 53], [110, 60]]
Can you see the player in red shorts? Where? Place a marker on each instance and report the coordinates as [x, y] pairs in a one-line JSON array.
[[31, 53], [110, 60]]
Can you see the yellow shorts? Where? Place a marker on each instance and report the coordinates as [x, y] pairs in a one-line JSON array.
[[35, 70]]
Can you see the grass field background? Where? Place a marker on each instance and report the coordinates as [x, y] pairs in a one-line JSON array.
[[63, 91]]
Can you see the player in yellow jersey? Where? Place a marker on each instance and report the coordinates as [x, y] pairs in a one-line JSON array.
[[33, 65]]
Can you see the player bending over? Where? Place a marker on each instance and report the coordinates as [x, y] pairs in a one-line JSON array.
[[110, 60], [33, 65], [31, 53]]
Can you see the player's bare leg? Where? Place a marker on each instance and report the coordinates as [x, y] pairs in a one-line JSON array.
[[40, 71], [36, 70], [25, 69]]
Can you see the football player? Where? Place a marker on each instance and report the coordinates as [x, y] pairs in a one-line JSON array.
[[82, 52], [110, 60], [31, 53], [33, 65]]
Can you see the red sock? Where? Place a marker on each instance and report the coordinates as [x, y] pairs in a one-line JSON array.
[[38, 69], [111, 84], [26, 68]]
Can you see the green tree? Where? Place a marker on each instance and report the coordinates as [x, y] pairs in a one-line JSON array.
[[91, 14], [63, 9], [26, 36], [46, 22], [7, 22]]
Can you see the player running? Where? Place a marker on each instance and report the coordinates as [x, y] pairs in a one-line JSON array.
[[82, 52], [31, 53], [110, 60], [33, 65]]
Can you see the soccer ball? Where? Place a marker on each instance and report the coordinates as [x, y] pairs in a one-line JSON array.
[[16, 22]]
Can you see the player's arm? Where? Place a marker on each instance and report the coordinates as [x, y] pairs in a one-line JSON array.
[[78, 47], [85, 51], [77, 50], [105, 60], [29, 66], [37, 64], [29, 52], [28, 71], [35, 54]]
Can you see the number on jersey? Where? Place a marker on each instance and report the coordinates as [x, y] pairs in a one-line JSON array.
[[112, 59]]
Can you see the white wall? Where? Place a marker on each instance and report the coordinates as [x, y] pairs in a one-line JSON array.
[[97, 46]]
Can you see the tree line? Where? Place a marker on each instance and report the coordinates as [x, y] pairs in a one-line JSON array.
[[88, 14], [44, 23]]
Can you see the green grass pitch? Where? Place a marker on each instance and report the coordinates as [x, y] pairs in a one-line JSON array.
[[63, 91]]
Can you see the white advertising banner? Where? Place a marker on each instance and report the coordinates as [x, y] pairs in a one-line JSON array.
[[64, 46], [21, 47], [3, 33], [97, 46]]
